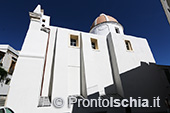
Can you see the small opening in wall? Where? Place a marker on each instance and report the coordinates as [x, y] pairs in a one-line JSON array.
[[128, 45], [43, 20], [169, 10], [1, 56], [7, 81], [11, 69], [94, 43], [74, 40], [43, 25], [117, 30]]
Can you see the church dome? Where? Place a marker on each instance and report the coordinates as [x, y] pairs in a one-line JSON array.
[[103, 18]]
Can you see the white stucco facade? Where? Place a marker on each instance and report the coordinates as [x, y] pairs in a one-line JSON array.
[[8, 59], [48, 66], [9, 53], [126, 59]]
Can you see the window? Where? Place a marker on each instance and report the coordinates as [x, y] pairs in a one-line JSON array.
[[117, 30], [11, 69], [14, 59], [128, 45], [43, 25], [7, 81], [94, 43], [169, 10], [1, 56], [74, 40], [43, 20]]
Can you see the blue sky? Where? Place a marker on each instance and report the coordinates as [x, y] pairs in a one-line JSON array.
[[141, 18]]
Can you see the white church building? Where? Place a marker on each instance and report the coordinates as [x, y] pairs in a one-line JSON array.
[[59, 62]]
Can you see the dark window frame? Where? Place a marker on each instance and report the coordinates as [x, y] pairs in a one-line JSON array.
[[74, 40], [94, 44], [117, 30], [128, 45]]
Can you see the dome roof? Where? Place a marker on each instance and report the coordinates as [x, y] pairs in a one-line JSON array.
[[103, 18]]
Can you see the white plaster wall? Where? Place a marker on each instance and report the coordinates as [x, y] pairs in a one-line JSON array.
[[7, 61], [37, 39], [25, 85], [9, 53], [47, 20], [66, 80], [26, 81], [49, 61], [97, 65], [74, 70], [4, 89], [67, 63], [128, 60], [29, 70]]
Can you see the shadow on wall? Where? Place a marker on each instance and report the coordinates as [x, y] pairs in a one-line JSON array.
[[146, 81], [98, 109]]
